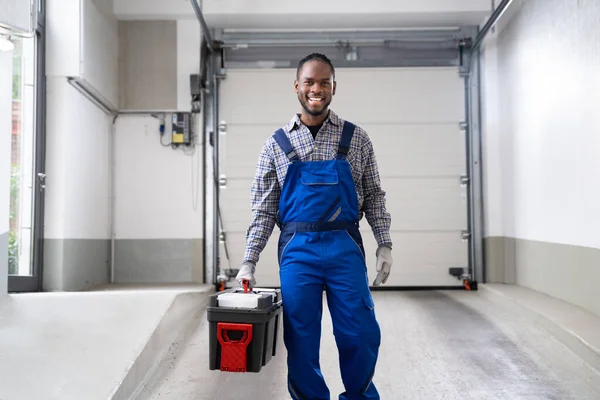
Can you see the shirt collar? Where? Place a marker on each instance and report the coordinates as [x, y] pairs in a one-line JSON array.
[[332, 118]]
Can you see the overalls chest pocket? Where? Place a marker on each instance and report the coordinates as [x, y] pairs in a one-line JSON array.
[[319, 194], [324, 177]]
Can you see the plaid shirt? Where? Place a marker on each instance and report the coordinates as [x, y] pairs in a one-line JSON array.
[[272, 167]]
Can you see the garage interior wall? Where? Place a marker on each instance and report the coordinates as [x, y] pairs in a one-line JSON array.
[[542, 90], [76, 245], [159, 199], [77, 205], [540, 119], [157, 220], [5, 132]]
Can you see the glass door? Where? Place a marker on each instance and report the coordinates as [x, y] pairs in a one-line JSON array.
[[27, 183]]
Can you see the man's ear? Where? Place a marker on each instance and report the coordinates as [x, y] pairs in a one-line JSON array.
[[296, 85], [334, 88]]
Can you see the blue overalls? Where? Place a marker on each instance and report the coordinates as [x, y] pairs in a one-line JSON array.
[[320, 249]]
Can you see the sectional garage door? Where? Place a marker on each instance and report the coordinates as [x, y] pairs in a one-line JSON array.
[[413, 117]]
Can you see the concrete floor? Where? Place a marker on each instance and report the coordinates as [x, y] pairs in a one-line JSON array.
[[89, 345], [435, 345]]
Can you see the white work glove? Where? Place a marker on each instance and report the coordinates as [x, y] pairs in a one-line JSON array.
[[246, 272], [384, 264]]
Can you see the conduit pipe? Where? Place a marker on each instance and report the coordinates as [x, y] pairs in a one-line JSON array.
[[205, 31], [496, 14]]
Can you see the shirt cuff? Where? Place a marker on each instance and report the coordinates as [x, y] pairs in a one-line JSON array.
[[251, 256], [384, 239]]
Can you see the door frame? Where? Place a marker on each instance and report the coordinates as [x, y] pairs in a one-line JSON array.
[[33, 282], [454, 48]]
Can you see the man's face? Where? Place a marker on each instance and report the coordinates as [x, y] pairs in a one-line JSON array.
[[315, 87]]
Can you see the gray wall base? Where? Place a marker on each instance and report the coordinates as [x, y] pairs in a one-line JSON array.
[[75, 264], [500, 260], [78, 264], [158, 260], [569, 273], [3, 263]]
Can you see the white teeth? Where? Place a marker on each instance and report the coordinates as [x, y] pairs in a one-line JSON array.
[[315, 99]]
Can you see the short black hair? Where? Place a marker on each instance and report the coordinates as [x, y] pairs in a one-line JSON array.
[[317, 57]]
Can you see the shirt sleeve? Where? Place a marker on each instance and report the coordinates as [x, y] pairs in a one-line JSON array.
[[374, 203], [264, 196]]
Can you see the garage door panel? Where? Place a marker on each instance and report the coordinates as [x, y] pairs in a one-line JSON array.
[[401, 277], [413, 150], [251, 98], [413, 95], [267, 269], [425, 204], [235, 199], [243, 145], [418, 150], [412, 116], [415, 204], [420, 258]]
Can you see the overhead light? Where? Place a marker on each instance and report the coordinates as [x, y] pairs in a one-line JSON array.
[[6, 44]]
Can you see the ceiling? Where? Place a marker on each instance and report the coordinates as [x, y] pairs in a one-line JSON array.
[[313, 14]]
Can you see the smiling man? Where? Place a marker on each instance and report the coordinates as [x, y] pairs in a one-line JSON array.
[[316, 178]]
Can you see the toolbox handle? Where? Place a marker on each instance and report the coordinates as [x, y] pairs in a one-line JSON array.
[[233, 352], [224, 328]]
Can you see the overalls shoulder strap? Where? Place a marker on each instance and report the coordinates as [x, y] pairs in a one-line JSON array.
[[284, 142], [347, 133]]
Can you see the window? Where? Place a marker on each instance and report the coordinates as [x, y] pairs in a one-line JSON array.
[[22, 157]]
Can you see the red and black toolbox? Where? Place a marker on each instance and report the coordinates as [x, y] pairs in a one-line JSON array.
[[244, 327]]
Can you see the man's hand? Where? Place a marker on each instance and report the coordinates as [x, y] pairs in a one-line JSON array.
[[247, 272], [384, 264]]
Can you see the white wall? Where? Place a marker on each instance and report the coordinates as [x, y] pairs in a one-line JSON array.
[[100, 50], [547, 122], [63, 39], [188, 60], [83, 42], [77, 165], [5, 146], [542, 147], [158, 189], [16, 14], [491, 142], [158, 193], [311, 14], [552, 52]]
